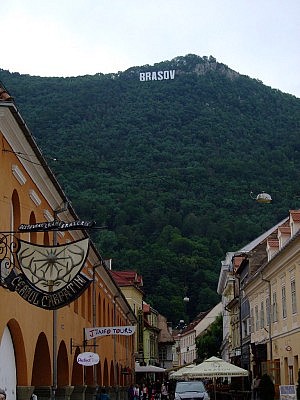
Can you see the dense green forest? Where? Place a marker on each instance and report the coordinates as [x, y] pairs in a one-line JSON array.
[[168, 166]]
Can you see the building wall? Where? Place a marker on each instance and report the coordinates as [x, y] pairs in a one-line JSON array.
[[28, 195], [274, 295]]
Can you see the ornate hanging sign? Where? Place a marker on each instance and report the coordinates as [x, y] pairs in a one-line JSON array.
[[49, 277]]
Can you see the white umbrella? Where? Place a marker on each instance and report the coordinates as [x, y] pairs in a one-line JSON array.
[[148, 368], [215, 367], [179, 373]]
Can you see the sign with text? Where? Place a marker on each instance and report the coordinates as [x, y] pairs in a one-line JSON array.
[[88, 358], [49, 277], [157, 75], [287, 392], [56, 226], [91, 333]]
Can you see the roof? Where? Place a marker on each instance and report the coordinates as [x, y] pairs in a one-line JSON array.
[[250, 246], [191, 326], [4, 95], [164, 335], [127, 278], [295, 214]]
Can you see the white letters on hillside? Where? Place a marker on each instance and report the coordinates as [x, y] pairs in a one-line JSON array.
[[157, 75]]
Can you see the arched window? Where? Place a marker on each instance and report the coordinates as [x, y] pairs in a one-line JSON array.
[[104, 314], [15, 212], [32, 235], [99, 310], [46, 239]]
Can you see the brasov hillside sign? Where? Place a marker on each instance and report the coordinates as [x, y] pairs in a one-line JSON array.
[[157, 75]]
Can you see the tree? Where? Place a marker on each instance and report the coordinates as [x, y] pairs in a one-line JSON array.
[[209, 343]]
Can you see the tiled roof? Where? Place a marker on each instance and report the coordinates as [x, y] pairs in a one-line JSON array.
[[273, 242], [285, 230], [195, 322], [4, 95], [237, 261], [164, 335], [146, 308], [295, 214], [127, 278]]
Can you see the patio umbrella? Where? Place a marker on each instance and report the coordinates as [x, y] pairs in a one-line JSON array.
[[179, 373], [215, 367], [148, 368]]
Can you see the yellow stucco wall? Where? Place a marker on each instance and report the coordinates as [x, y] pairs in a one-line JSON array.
[[31, 327]]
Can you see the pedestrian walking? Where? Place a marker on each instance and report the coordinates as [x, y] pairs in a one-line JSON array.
[[130, 392], [255, 388], [144, 394], [164, 391]]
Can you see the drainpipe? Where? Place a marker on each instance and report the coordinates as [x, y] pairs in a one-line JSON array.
[[115, 343], [270, 320], [94, 321], [240, 320]]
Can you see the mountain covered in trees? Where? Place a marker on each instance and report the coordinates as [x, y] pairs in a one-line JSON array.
[[167, 165]]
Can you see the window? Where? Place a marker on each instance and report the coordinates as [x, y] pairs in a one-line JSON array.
[[262, 315], [256, 319], [251, 328], [268, 311], [294, 300], [245, 328], [274, 307], [283, 299]]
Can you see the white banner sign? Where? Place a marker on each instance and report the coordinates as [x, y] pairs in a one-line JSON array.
[[91, 333]]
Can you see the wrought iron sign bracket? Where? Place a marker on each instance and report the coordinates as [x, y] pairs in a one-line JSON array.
[[84, 345]]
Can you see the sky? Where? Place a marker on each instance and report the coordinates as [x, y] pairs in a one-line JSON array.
[[258, 38]]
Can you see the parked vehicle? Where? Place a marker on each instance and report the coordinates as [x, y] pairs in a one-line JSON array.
[[190, 390]]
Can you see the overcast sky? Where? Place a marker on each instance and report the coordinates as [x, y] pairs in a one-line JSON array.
[[258, 38]]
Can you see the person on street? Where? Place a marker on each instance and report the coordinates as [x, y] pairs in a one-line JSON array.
[[131, 392], [144, 394], [255, 387], [164, 391], [137, 392]]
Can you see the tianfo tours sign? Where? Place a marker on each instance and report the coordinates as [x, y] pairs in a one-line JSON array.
[[49, 277], [91, 333], [157, 75]]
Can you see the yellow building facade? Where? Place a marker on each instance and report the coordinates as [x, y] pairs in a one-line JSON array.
[[39, 347], [274, 297], [260, 288]]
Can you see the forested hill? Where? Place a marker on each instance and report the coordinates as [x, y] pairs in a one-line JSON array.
[[167, 165]]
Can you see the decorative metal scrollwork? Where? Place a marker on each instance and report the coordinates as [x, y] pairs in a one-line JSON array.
[[8, 248]]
